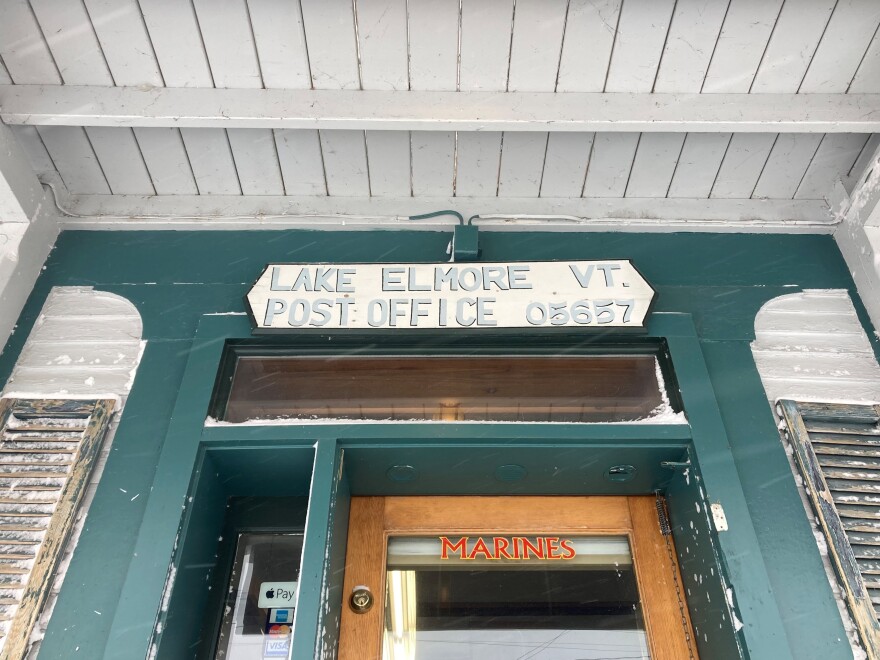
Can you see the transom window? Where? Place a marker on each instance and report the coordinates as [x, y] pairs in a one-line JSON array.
[[472, 388]]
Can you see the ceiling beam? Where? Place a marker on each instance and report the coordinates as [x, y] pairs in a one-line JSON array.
[[67, 105], [496, 214]]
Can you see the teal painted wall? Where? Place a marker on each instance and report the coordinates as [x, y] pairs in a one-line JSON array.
[[176, 277]]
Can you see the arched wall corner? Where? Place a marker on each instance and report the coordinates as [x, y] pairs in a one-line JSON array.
[[811, 346], [84, 344]]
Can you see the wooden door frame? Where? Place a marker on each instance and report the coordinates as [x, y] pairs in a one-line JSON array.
[[373, 519]]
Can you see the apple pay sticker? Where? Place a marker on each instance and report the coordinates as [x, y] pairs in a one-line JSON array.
[[277, 594]]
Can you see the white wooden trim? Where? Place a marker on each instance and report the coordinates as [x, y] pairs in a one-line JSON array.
[[21, 259], [352, 213], [69, 105], [20, 191], [858, 235]]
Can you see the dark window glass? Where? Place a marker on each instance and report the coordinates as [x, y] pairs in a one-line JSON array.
[[582, 604], [473, 388], [258, 616]]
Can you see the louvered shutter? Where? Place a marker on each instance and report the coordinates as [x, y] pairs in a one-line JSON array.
[[837, 450], [47, 453]]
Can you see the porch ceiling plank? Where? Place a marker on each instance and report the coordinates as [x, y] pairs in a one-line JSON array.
[[256, 161], [738, 52], [693, 32], [843, 47], [382, 44], [345, 163], [867, 78], [362, 212], [332, 49], [786, 165], [836, 154], [389, 161], [590, 32], [124, 41], [485, 44], [654, 164], [229, 43], [212, 162], [610, 164], [72, 41], [698, 164], [23, 48], [565, 164], [641, 35], [478, 164], [742, 166], [433, 163], [301, 160], [71, 105], [538, 28], [174, 35], [522, 164], [797, 34], [280, 43]]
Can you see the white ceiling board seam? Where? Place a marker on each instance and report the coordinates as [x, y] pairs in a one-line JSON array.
[[544, 162], [73, 105], [150, 41], [367, 163], [715, 45], [763, 167], [45, 42], [804, 175], [202, 43], [587, 168], [97, 160], [613, 45], [278, 159], [663, 49], [561, 47], [767, 46], [815, 50], [720, 165], [324, 164], [98, 42], [250, 21], [675, 168], [632, 164], [232, 158], [862, 61]]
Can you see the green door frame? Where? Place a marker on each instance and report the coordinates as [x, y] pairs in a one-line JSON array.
[[347, 459]]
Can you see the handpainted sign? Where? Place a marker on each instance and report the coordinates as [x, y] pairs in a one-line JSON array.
[[521, 548], [582, 294]]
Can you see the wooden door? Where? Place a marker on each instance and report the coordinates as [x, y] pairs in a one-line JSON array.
[[376, 519]]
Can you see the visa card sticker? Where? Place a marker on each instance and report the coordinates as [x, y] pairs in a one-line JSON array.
[[276, 646]]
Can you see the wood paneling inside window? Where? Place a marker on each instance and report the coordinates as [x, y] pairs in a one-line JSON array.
[[474, 388]]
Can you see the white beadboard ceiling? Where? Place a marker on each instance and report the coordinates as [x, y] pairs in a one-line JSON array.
[[660, 47]]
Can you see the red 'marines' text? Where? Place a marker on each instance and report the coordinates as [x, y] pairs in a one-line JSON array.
[[520, 548]]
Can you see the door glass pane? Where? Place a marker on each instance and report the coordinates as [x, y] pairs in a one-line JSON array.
[[512, 598], [591, 388], [258, 617]]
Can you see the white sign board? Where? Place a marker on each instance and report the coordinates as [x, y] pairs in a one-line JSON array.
[[277, 594], [583, 294]]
